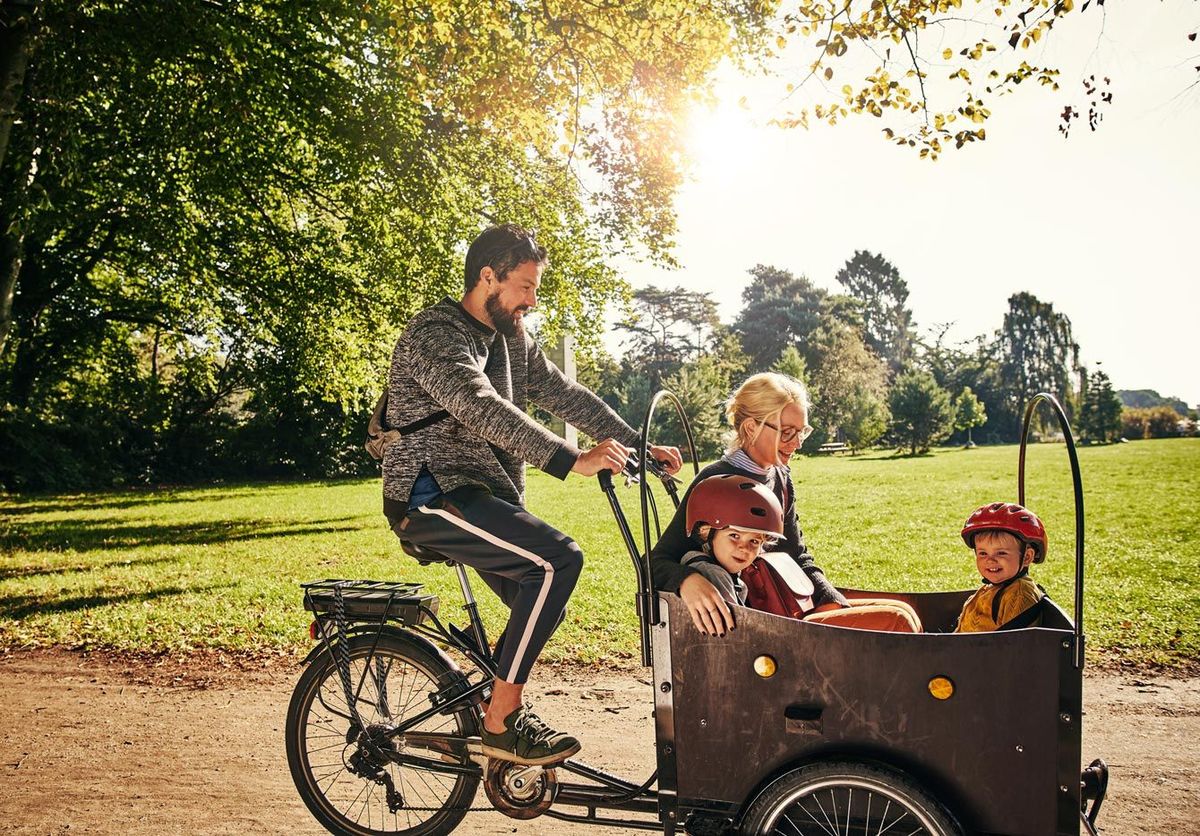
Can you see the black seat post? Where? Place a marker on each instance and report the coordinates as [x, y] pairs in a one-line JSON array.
[[472, 608]]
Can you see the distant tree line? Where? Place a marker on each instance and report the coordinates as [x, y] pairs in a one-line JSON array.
[[871, 377]]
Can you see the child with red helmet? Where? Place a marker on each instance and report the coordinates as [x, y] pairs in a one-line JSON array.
[[1006, 539], [735, 518]]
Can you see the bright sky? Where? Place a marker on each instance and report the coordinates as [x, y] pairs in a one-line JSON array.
[[1104, 225]]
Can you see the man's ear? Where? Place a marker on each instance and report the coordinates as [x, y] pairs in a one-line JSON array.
[[487, 275]]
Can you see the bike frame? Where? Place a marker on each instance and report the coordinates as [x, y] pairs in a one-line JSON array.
[[419, 622]]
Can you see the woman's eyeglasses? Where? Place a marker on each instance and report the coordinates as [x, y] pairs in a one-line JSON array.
[[789, 433]]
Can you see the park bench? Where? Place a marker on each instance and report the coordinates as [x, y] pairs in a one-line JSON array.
[[834, 447]]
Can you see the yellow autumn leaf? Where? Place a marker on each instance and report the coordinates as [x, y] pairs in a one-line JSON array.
[[947, 53]]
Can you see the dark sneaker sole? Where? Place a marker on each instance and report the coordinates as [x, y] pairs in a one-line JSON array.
[[512, 757]]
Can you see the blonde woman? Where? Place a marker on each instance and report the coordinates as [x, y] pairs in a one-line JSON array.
[[769, 416]]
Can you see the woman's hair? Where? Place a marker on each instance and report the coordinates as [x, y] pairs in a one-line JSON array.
[[762, 397]]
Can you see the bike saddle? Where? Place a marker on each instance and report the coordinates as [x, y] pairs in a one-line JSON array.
[[425, 556]]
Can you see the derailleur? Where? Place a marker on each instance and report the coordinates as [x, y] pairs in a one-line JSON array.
[[520, 792], [369, 760]]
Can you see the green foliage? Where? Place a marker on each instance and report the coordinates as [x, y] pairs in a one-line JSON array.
[[921, 411], [172, 570], [1101, 409], [844, 372], [1037, 352], [791, 363], [969, 412], [702, 387], [866, 419], [1149, 397], [888, 328], [780, 310], [1152, 422], [931, 93], [234, 215], [668, 328]]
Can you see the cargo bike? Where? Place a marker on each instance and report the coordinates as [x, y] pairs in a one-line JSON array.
[[781, 727]]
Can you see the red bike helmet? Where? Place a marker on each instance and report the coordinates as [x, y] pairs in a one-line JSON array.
[[1010, 517], [732, 500]]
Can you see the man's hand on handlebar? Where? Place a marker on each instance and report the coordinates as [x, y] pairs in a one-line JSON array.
[[607, 455], [709, 611], [668, 457]]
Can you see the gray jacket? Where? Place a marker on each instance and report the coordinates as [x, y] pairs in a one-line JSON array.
[[732, 587], [447, 359]]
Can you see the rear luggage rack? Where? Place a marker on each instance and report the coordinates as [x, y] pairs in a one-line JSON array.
[[399, 600]]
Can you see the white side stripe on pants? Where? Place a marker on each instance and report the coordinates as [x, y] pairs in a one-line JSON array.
[[547, 567]]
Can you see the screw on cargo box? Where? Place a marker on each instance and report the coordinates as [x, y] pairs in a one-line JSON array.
[[1065, 717], [1063, 788], [1066, 644], [1020, 748], [665, 687], [703, 722], [667, 749]]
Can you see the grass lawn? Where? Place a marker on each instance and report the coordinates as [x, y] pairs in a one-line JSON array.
[[217, 567]]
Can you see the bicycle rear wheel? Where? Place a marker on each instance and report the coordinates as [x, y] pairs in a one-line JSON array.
[[346, 788]]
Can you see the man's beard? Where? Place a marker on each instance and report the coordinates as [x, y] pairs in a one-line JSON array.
[[507, 322]]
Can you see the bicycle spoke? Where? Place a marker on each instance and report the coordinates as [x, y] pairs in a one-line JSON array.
[[393, 686]]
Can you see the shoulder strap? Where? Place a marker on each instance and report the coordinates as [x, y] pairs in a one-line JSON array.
[[996, 601], [422, 423], [1026, 618]]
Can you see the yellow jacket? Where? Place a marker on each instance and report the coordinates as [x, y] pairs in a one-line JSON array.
[[1016, 596]]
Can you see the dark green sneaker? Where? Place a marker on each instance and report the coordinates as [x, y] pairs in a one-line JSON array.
[[527, 740]]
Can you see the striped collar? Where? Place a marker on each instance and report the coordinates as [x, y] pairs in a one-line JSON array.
[[740, 459]]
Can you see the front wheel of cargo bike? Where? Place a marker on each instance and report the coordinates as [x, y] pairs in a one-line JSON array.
[[848, 799]]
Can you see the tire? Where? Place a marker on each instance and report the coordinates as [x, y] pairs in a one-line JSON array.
[[847, 799], [319, 754]]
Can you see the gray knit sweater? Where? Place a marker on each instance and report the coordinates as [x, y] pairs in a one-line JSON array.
[[442, 362]]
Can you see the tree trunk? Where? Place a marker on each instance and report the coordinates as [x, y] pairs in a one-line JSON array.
[[12, 248], [16, 44]]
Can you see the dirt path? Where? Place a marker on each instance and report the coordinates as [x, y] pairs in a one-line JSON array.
[[90, 745]]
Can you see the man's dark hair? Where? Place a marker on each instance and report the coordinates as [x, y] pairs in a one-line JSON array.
[[502, 248]]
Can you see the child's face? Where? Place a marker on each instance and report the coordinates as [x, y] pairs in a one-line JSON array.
[[736, 548], [998, 555]]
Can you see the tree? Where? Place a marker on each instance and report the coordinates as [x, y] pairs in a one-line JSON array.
[[843, 368], [865, 420], [969, 413], [668, 328], [791, 363], [921, 410], [887, 323], [1101, 409], [1037, 352], [702, 388], [1149, 397], [265, 191], [1151, 422], [780, 310]]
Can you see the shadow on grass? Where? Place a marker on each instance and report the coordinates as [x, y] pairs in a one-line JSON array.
[[164, 494], [60, 504], [30, 571], [90, 535], [17, 607]]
